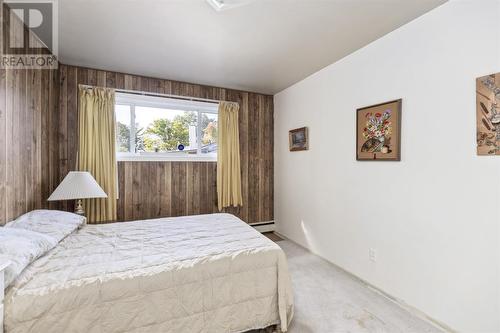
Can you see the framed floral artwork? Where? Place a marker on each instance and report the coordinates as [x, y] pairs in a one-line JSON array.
[[298, 139], [378, 132]]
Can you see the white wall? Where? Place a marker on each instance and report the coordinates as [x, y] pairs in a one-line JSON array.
[[433, 217]]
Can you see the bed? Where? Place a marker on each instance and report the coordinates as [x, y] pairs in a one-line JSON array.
[[206, 273]]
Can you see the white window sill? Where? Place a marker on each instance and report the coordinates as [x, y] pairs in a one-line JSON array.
[[165, 158]]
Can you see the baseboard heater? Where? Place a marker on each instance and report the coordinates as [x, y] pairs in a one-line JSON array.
[[263, 226]]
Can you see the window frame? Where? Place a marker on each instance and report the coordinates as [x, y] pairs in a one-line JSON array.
[[135, 100]]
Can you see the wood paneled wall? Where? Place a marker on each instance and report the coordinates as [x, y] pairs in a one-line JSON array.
[[161, 189], [39, 139], [154, 189], [28, 139]]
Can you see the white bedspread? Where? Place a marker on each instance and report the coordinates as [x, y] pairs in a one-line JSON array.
[[208, 273]]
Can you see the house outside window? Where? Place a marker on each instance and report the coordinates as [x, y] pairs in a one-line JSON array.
[[159, 128]]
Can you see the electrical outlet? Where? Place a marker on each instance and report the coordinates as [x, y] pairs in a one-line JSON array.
[[372, 255]]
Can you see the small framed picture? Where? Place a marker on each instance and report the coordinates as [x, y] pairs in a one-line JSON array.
[[378, 132], [298, 139]]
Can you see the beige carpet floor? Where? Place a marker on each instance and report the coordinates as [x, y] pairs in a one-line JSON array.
[[329, 300]]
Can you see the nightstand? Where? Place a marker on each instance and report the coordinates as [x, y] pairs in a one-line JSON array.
[[3, 266]]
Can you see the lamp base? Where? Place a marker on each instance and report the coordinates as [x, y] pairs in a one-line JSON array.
[[79, 208]]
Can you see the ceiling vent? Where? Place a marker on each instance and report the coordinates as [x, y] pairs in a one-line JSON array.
[[221, 5]]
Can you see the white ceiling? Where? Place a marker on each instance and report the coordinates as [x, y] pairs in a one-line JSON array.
[[264, 46]]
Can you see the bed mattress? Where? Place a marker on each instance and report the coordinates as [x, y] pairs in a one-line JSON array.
[[206, 273]]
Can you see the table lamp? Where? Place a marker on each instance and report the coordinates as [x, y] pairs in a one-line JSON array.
[[78, 185]]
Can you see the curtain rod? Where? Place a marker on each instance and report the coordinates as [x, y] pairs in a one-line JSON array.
[[145, 93]]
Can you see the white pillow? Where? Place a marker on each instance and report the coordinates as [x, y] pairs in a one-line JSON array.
[[53, 223], [20, 248]]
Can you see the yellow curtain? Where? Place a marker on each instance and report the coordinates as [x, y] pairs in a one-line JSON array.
[[97, 150], [228, 157]]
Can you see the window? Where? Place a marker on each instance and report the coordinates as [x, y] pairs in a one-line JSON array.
[[160, 128]]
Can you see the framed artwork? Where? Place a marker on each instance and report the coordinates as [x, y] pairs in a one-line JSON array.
[[298, 139], [488, 114], [378, 132]]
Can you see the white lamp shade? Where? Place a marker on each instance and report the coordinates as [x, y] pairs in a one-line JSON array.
[[77, 185]]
